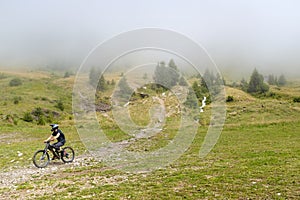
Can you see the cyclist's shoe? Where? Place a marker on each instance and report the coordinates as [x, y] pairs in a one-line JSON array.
[[65, 154]]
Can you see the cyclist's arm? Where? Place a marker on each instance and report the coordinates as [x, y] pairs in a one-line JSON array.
[[55, 137], [51, 138]]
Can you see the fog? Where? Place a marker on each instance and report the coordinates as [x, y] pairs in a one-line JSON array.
[[238, 35]]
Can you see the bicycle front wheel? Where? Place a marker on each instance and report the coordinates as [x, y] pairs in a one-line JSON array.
[[67, 155], [41, 159]]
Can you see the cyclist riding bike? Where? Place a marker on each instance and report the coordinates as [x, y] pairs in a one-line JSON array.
[[58, 135]]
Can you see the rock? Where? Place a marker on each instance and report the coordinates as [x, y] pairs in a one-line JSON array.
[[54, 168], [19, 153], [143, 95], [233, 113]]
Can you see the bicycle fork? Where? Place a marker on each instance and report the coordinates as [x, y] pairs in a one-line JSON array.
[[44, 154]]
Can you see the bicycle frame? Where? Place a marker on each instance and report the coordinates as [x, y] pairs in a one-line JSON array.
[[52, 149]]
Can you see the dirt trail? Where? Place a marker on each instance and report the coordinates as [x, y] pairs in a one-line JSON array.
[[30, 182], [12, 177]]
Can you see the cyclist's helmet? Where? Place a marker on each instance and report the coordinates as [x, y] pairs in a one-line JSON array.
[[53, 126]]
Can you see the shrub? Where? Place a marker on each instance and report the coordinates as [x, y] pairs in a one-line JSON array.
[[15, 82], [60, 105], [113, 82], [44, 99], [17, 100], [2, 76], [282, 80], [38, 112], [9, 118], [296, 99], [229, 99], [28, 117], [41, 121], [273, 95], [67, 74]]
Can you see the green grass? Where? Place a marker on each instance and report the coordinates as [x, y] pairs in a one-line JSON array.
[[256, 157], [17, 135], [253, 162]]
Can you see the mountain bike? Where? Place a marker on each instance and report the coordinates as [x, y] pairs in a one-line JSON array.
[[41, 158]]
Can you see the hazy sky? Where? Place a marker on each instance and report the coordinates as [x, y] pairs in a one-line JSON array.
[[239, 35]]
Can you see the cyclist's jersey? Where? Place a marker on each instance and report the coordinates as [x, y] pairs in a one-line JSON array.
[[61, 137]]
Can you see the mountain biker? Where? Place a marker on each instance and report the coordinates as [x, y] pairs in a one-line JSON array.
[[58, 135]]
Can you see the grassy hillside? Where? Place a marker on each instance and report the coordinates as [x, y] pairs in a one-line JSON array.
[[256, 157], [38, 90]]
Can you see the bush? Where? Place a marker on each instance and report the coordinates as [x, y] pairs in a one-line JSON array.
[[2, 76], [44, 99], [229, 99], [273, 95], [28, 117], [41, 121], [17, 100], [296, 99], [15, 82], [38, 112], [67, 74], [60, 105], [113, 82]]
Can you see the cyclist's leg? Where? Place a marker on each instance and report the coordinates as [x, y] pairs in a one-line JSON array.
[[53, 150], [57, 145]]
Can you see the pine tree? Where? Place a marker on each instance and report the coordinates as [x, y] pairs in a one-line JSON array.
[[282, 80], [165, 76], [244, 85], [271, 79], [145, 76], [197, 90], [256, 84], [207, 79], [125, 90], [182, 82], [102, 85], [172, 64], [191, 99], [94, 76], [276, 80], [113, 82]]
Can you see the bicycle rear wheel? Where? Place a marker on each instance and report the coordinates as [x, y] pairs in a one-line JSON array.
[[41, 159], [67, 155]]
